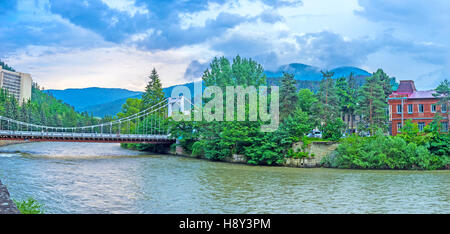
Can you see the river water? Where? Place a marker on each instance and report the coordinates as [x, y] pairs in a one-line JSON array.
[[104, 178]]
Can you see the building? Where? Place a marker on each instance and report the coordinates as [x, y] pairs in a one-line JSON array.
[[406, 103], [17, 84]]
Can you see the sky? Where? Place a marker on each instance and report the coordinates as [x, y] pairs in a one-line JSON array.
[[116, 43]]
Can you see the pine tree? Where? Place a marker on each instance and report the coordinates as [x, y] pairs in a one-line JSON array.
[[385, 80], [372, 104], [288, 96], [328, 101], [346, 89], [443, 93], [153, 92]]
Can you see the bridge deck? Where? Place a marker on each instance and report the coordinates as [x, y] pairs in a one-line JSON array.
[[85, 137]]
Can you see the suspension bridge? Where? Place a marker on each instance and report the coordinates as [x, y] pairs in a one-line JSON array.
[[147, 126]]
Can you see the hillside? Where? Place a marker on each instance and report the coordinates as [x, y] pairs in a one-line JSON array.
[[81, 99]]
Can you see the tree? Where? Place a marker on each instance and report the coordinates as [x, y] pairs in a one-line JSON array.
[[327, 107], [442, 93], [346, 90], [288, 96], [306, 100], [372, 104], [130, 107], [386, 82], [153, 91], [333, 129]]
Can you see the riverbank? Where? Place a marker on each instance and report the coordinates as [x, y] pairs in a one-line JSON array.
[[7, 206], [319, 154], [315, 152], [10, 142]]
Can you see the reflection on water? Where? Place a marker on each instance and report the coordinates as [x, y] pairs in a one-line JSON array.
[[104, 178]]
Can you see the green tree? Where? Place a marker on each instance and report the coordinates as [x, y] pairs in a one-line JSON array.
[[130, 107], [442, 93], [306, 100], [153, 91], [346, 90], [328, 102], [288, 96], [223, 138], [385, 81], [372, 104]]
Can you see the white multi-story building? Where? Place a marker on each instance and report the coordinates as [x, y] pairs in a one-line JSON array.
[[17, 84]]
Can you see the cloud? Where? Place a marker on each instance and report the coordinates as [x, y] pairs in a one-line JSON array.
[[31, 24], [409, 38], [195, 70], [329, 50], [283, 3], [113, 66], [112, 24], [415, 13]]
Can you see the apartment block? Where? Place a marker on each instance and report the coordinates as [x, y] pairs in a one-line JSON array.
[[17, 84]]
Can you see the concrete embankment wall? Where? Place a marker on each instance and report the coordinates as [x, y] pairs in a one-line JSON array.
[[318, 149], [7, 206]]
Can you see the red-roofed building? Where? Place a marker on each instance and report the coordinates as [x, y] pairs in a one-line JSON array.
[[406, 103]]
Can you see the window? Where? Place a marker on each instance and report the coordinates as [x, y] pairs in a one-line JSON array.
[[421, 126], [399, 109], [433, 108], [399, 126], [410, 108], [444, 127], [443, 108], [420, 108]]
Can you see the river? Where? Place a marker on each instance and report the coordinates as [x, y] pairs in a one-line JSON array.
[[104, 178]]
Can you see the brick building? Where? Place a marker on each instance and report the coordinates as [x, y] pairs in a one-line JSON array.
[[419, 106]]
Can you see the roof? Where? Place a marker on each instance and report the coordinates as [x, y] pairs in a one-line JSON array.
[[406, 86], [407, 89], [422, 94]]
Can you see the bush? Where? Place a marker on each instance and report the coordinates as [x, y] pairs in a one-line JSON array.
[[383, 152], [332, 130], [198, 148], [29, 206]]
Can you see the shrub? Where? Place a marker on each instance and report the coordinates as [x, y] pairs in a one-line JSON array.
[[198, 148], [332, 130], [29, 206], [383, 152]]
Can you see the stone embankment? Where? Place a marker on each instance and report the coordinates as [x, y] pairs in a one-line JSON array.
[[316, 150], [7, 206]]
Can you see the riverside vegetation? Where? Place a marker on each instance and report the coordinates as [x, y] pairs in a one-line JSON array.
[[300, 112]]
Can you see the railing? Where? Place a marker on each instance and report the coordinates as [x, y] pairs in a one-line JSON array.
[[96, 137]]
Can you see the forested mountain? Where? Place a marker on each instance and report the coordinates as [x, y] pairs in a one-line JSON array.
[[83, 99], [306, 72], [43, 109]]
